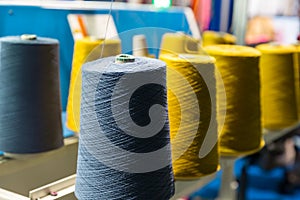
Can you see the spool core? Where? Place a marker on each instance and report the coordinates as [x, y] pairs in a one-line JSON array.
[[28, 37], [124, 58]]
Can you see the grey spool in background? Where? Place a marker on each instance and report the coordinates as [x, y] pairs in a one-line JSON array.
[[30, 107], [124, 144]]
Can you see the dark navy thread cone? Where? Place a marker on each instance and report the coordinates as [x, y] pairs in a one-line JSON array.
[[30, 107], [119, 157]]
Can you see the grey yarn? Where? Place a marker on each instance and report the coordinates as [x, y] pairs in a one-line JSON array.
[[30, 107], [124, 147]]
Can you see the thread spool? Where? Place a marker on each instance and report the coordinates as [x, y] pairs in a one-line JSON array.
[[279, 101], [85, 50], [30, 108], [297, 75], [179, 43], [214, 38], [238, 66], [124, 144], [192, 114]]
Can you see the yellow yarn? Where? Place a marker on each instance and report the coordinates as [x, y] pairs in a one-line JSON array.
[[213, 38], [279, 101], [241, 133], [86, 49], [297, 75], [178, 43], [192, 108]]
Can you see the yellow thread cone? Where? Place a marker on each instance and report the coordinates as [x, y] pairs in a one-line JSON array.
[[238, 66], [213, 38], [86, 49], [178, 43], [192, 113], [279, 101], [297, 76]]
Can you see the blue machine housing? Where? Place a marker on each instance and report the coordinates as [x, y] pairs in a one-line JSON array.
[[49, 19]]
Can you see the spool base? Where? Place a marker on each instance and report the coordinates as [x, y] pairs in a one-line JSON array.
[[194, 178], [228, 183], [235, 153], [24, 175], [23, 156]]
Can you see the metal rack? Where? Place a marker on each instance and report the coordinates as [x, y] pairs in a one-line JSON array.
[[21, 177], [52, 175], [273, 135]]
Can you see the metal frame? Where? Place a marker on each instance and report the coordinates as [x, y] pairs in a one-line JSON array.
[[55, 190], [46, 172]]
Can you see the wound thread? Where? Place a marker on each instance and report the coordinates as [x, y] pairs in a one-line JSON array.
[[30, 107], [242, 130]]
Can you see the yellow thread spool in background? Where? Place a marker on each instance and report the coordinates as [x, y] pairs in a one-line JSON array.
[[297, 75], [85, 50], [238, 66], [213, 38], [278, 96], [183, 119], [178, 43]]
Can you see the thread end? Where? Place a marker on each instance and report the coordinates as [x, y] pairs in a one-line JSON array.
[[124, 58], [28, 37]]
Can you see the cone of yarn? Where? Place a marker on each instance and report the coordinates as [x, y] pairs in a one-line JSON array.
[[214, 38], [178, 43], [278, 86], [87, 49], [124, 144], [297, 75], [30, 106], [241, 133], [192, 113]]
